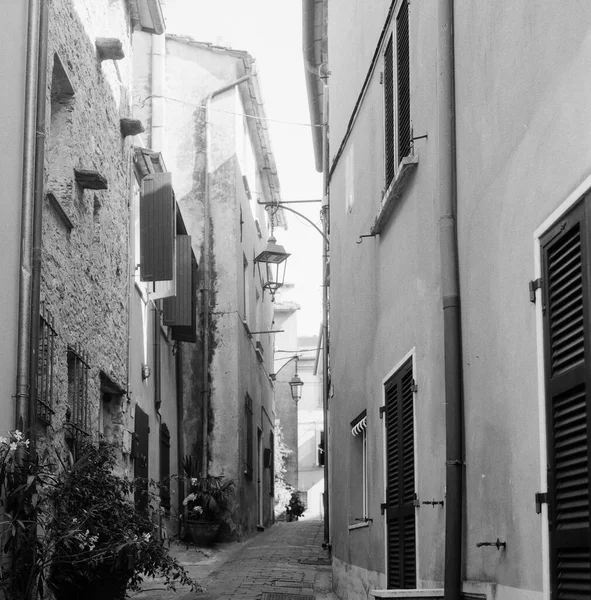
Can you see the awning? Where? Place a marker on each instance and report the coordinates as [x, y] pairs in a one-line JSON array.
[[359, 423]]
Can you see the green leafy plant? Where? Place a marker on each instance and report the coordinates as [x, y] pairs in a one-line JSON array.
[[86, 530], [209, 497], [296, 507]]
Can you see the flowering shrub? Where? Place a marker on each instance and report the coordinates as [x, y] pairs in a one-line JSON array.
[[81, 525], [209, 498]]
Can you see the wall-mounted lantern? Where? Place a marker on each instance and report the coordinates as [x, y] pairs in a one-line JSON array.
[[271, 263]]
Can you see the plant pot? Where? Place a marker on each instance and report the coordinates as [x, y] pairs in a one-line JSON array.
[[107, 588], [203, 533]]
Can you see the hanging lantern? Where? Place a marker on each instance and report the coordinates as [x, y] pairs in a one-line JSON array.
[[271, 263], [296, 385]]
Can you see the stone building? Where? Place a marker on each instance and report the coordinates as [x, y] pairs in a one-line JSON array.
[[459, 163], [81, 349], [211, 122]]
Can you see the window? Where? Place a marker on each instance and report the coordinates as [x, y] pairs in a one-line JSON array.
[[359, 485], [45, 362], [398, 131], [249, 454], [77, 414]]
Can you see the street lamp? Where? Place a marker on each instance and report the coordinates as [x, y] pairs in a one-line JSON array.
[[296, 385], [271, 263]]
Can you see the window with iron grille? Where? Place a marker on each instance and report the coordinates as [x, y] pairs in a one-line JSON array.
[[77, 415], [397, 124], [45, 366], [248, 466]]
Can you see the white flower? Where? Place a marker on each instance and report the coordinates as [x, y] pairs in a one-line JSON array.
[[74, 520], [13, 445], [26, 443], [17, 435], [3, 440], [188, 499], [147, 537]]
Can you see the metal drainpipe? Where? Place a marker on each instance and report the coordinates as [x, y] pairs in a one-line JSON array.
[[450, 293], [180, 431], [325, 295], [22, 400], [157, 358], [206, 274], [38, 212]]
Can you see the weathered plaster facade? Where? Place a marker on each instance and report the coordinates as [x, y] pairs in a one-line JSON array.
[[11, 134], [522, 119], [238, 361]]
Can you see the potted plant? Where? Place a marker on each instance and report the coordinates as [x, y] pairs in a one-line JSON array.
[[207, 504], [100, 545], [296, 508]]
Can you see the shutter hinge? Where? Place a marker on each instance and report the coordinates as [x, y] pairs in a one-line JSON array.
[[383, 507], [382, 411], [533, 286], [381, 77], [414, 387], [541, 498], [416, 502]]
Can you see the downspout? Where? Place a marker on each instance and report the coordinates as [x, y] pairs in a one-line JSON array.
[[312, 71], [157, 143], [325, 305], [22, 398], [157, 359], [450, 295], [38, 211], [206, 271], [180, 429]]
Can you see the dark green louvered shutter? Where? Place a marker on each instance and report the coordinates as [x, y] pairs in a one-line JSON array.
[[389, 146], [403, 81], [188, 333], [157, 228], [566, 325], [177, 309], [400, 497], [140, 453]]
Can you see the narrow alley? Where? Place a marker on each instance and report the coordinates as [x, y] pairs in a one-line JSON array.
[[285, 562]]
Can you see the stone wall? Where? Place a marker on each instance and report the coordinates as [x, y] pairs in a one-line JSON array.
[[85, 268]]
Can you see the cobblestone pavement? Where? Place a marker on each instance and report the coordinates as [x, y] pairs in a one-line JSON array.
[[285, 562]]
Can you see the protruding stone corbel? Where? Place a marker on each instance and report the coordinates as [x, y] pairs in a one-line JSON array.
[[90, 180], [109, 49], [131, 127]]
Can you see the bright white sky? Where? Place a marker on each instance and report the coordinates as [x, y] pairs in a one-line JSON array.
[[271, 32]]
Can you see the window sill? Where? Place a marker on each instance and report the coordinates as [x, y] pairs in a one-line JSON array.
[[426, 594], [359, 525], [394, 192]]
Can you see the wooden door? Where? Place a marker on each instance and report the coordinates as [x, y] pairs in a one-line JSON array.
[[400, 492]]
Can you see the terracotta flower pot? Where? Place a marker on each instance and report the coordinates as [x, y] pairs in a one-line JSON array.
[[203, 533]]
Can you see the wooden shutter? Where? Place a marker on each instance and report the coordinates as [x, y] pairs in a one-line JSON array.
[[566, 326], [177, 309], [403, 81], [400, 494], [140, 456], [188, 333], [389, 149], [157, 228], [165, 465]]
